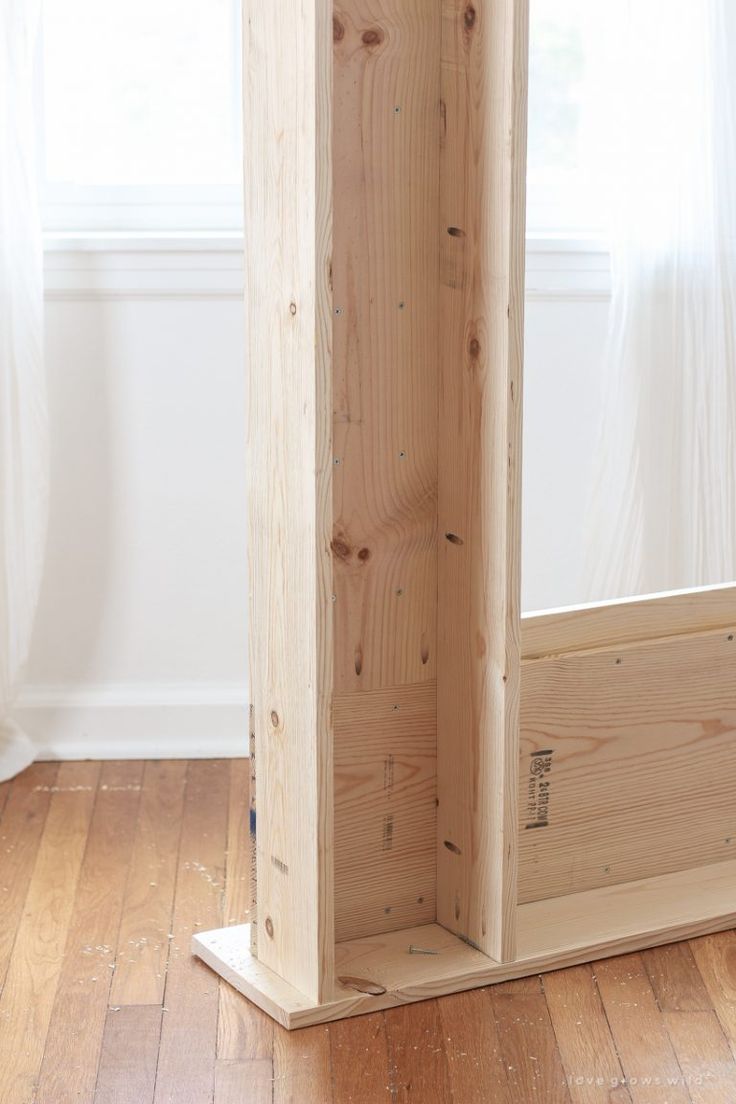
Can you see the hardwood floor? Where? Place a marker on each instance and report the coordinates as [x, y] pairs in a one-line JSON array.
[[106, 870]]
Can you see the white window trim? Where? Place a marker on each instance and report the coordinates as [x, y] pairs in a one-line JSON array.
[[88, 211], [205, 265]]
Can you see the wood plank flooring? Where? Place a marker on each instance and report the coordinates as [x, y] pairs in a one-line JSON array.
[[107, 869]]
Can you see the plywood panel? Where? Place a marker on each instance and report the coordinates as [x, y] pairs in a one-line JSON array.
[[385, 324], [385, 809], [287, 116], [481, 234], [627, 762]]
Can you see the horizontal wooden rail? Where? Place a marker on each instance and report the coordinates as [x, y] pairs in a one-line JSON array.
[[604, 625]]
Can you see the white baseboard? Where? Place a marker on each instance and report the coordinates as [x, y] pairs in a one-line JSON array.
[[148, 721]]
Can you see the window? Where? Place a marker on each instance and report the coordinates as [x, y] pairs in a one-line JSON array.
[[140, 102], [565, 37], [141, 117]]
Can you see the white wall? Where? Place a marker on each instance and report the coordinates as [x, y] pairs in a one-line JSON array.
[[568, 293], [140, 641], [140, 644]]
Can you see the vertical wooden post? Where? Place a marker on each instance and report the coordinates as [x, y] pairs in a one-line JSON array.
[[288, 212], [482, 177], [383, 477], [384, 486]]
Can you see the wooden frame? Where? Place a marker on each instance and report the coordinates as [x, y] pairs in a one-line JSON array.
[[448, 794]]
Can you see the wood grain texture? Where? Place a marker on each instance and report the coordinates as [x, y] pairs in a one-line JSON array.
[[33, 973], [418, 1072], [385, 378], [186, 1062], [127, 1070], [641, 1038], [74, 1038], [359, 1061], [143, 944], [475, 1065], [244, 1082], [628, 916], [554, 933], [386, 330], [703, 1056], [243, 1031], [385, 809], [348, 1061], [5, 788], [715, 957], [626, 620], [529, 1048], [301, 1067], [635, 748], [592, 1067], [288, 209], [21, 828], [674, 976], [481, 231]]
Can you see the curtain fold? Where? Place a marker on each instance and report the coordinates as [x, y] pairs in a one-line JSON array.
[[23, 417], [663, 516]]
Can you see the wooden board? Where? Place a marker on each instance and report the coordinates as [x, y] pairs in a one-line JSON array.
[[70, 1059], [386, 337], [552, 934], [578, 628], [186, 1057], [35, 966], [385, 380], [385, 809], [627, 758], [481, 235], [143, 945], [287, 105], [373, 378]]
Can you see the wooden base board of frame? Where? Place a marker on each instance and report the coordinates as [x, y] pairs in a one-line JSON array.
[[416, 964]]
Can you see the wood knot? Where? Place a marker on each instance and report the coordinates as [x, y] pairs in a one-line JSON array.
[[364, 554], [453, 538], [341, 548], [338, 30], [292, 308], [455, 232], [453, 847], [274, 718], [363, 985], [469, 17], [269, 927], [372, 37], [474, 348]]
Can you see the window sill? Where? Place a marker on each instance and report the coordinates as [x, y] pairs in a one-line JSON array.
[[91, 265], [209, 264], [176, 241], [126, 241]]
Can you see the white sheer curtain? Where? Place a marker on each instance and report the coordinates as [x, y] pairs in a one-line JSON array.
[[664, 511], [23, 438]]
